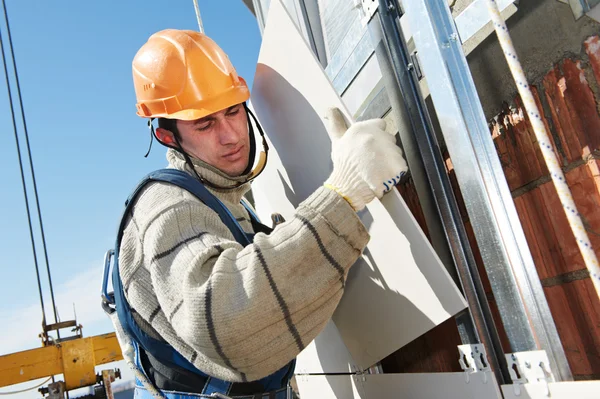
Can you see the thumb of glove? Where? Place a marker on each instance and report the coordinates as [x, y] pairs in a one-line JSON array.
[[335, 123]]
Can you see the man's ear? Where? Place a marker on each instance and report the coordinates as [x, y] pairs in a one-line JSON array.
[[166, 137]]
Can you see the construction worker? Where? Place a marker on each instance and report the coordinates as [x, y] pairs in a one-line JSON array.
[[233, 317]]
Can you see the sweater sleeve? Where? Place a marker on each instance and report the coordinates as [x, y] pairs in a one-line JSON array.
[[241, 313]]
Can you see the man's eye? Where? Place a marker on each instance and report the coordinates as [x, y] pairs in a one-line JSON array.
[[233, 112], [204, 127]]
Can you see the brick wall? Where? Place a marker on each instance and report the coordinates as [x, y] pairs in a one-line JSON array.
[[567, 96]]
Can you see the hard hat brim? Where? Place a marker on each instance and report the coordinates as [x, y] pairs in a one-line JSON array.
[[236, 95]]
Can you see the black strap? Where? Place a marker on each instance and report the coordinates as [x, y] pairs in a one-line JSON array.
[[170, 378], [259, 227]]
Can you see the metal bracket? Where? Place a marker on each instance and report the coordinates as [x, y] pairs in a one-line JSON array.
[[56, 390], [108, 377], [514, 279], [581, 7], [473, 360], [416, 65], [529, 367]]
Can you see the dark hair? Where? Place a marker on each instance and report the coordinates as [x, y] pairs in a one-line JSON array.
[[169, 124]]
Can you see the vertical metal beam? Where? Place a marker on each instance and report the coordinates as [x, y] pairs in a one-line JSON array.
[[307, 12], [312, 20], [259, 13], [508, 262], [410, 122], [432, 182]]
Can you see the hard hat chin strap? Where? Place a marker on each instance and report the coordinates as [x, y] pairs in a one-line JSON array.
[[262, 159], [252, 173], [151, 127], [252, 156]]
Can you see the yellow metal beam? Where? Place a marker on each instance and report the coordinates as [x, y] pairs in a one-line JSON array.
[[78, 363], [75, 359], [29, 365], [106, 348]]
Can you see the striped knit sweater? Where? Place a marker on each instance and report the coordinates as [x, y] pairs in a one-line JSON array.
[[237, 313]]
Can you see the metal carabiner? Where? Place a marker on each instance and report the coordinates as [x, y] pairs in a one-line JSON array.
[[108, 298]]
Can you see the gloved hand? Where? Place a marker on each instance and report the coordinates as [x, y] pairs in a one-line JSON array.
[[367, 163]]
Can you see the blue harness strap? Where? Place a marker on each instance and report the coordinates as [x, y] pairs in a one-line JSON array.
[[195, 187], [161, 350]]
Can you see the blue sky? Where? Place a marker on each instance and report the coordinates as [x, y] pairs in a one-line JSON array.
[[74, 61]]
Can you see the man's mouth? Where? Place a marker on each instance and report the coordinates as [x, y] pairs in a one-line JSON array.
[[234, 155]]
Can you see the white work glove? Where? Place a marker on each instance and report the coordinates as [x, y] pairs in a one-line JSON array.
[[367, 163]]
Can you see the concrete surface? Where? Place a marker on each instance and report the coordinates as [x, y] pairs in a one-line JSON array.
[[543, 32]]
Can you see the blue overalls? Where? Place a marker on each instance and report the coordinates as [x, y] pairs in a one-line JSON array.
[[275, 386]]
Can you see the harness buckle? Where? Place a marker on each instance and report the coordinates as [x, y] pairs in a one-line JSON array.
[[108, 298]]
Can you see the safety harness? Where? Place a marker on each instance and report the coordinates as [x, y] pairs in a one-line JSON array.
[[158, 355]]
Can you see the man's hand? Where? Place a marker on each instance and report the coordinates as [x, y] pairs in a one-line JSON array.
[[367, 163]]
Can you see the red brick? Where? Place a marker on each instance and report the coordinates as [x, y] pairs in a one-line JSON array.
[[506, 150], [528, 147], [594, 168], [433, 352], [540, 234], [554, 86], [545, 118], [560, 225], [409, 193], [517, 145], [517, 167], [575, 306], [576, 313], [582, 104], [592, 48], [583, 182], [574, 109], [549, 235]]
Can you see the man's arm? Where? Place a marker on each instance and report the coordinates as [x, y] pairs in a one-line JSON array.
[[244, 312]]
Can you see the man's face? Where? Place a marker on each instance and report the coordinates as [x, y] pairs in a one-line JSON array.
[[220, 139]]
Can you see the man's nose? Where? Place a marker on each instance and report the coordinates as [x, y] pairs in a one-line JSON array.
[[227, 133]]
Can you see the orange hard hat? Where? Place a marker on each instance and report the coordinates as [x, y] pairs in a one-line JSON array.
[[183, 74]]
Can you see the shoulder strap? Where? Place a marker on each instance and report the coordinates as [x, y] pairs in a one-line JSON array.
[[159, 349], [250, 210], [195, 187], [257, 226]]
